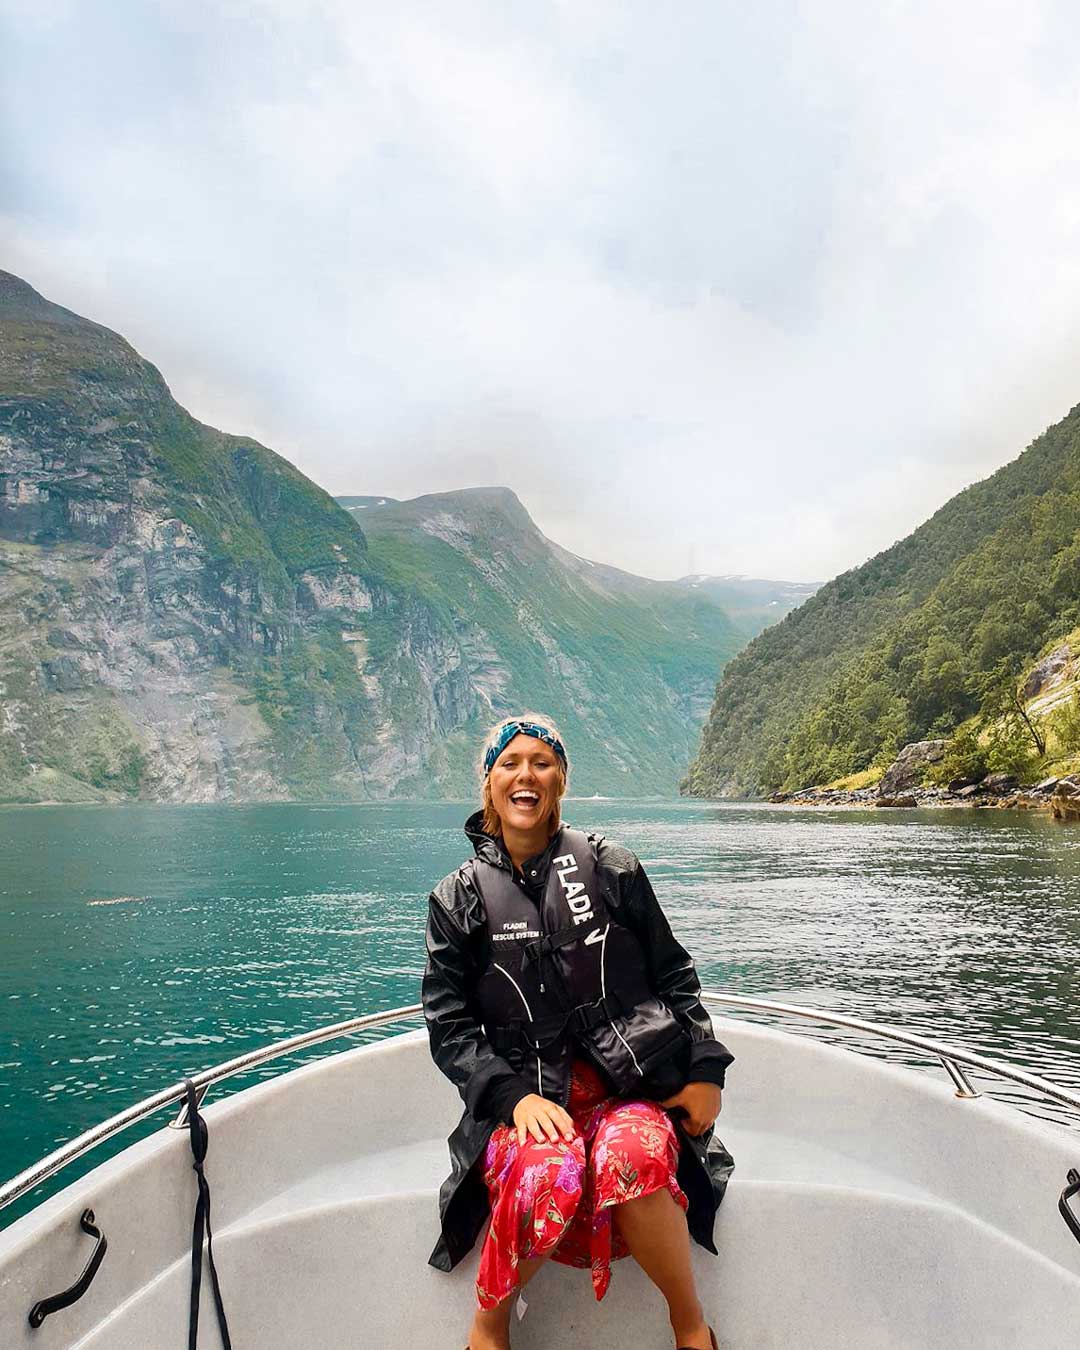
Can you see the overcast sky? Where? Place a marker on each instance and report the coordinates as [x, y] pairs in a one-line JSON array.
[[714, 287]]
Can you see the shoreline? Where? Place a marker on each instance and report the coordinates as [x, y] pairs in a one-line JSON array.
[[999, 792]]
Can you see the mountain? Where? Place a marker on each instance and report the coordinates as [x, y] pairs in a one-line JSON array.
[[751, 602], [928, 633], [185, 617], [171, 596], [626, 665]]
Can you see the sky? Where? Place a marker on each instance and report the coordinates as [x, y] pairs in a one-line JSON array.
[[714, 287]]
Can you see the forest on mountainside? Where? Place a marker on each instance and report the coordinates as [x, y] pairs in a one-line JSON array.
[[919, 639]]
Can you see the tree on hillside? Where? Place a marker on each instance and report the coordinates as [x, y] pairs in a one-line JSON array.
[[1002, 705], [915, 641]]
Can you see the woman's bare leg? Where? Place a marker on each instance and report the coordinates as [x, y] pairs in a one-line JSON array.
[[491, 1327], [655, 1230]]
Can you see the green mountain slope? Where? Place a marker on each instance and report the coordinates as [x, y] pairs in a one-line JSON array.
[[185, 617], [912, 642]]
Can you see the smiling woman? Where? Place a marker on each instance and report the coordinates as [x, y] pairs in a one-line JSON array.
[[568, 1016], [523, 771]]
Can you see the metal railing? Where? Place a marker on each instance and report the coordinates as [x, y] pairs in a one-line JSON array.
[[954, 1060], [49, 1166]]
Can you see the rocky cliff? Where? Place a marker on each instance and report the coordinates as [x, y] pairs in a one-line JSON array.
[[186, 617]]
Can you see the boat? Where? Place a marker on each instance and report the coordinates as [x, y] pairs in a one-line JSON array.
[[873, 1206]]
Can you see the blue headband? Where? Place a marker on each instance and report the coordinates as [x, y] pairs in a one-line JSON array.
[[512, 729]]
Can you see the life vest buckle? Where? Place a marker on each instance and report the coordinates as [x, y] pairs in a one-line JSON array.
[[589, 1016], [538, 948], [529, 1037]]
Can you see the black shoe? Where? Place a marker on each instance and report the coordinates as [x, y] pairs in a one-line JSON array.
[[712, 1337]]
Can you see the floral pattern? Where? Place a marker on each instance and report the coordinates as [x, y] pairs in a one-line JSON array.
[[556, 1199]]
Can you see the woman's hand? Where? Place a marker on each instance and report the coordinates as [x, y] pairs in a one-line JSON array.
[[542, 1119], [701, 1104]]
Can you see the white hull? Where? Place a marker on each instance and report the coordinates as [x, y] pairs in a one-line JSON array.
[[869, 1209]]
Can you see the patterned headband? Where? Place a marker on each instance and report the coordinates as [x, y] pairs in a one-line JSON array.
[[512, 729]]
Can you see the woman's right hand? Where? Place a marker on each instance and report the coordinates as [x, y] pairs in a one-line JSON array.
[[542, 1119]]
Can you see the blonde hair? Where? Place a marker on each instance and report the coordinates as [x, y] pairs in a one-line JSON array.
[[492, 824]]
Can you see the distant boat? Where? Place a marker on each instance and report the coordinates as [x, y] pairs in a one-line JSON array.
[[871, 1208]]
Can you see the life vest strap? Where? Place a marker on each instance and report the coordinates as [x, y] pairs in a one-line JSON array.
[[538, 948], [517, 1034]]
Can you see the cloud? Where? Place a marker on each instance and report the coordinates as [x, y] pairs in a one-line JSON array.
[[744, 289]]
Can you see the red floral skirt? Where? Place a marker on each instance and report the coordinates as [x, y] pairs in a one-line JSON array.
[[556, 1199]]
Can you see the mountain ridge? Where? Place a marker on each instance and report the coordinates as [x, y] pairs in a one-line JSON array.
[[749, 597]]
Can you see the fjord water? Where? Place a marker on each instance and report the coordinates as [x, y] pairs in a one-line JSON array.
[[237, 926]]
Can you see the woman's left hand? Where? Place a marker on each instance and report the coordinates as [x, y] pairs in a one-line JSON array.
[[700, 1103]]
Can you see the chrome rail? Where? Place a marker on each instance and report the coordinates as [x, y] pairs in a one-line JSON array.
[[954, 1061], [50, 1165]]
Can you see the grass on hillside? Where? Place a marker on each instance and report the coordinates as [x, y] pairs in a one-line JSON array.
[[854, 782]]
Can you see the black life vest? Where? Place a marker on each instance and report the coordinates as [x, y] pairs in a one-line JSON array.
[[566, 973]]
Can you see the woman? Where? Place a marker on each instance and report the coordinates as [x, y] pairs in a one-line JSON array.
[[569, 1018]]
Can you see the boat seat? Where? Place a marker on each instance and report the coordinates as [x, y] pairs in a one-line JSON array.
[[419, 1168], [406, 1170]]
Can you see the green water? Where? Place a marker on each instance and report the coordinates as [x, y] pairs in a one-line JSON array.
[[252, 923]]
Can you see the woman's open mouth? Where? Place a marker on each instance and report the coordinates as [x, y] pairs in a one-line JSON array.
[[525, 800]]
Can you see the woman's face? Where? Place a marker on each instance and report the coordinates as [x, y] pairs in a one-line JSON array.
[[525, 783]]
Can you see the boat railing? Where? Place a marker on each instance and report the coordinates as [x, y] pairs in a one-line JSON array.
[[955, 1061]]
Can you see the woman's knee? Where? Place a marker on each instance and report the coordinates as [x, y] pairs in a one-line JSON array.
[[505, 1155], [550, 1154], [634, 1151], [529, 1169], [549, 1190], [640, 1128]]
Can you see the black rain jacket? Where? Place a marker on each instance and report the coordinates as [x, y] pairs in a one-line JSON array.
[[458, 947]]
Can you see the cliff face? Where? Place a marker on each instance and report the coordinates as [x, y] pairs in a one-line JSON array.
[[155, 575], [186, 617]]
